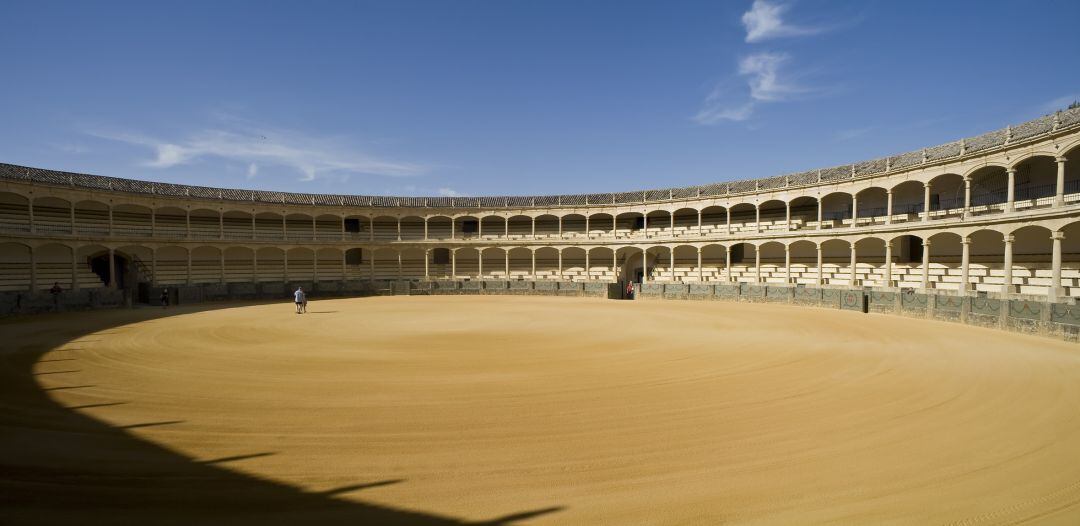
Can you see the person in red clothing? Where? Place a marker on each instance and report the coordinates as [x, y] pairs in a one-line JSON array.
[[630, 290]]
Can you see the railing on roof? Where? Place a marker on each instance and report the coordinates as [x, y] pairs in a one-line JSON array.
[[1011, 134]]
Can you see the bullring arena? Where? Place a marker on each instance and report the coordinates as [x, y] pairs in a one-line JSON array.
[[885, 341]]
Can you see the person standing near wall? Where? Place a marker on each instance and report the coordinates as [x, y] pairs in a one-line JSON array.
[[55, 291], [629, 290]]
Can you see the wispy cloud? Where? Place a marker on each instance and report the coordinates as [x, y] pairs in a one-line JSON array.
[[238, 140], [764, 21], [1060, 103], [449, 192], [764, 80]]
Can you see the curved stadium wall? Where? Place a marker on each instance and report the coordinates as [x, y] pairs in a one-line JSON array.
[[983, 230]]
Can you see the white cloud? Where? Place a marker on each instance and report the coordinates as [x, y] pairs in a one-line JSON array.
[[764, 82], [252, 170], [449, 192], [242, 141], [764, 21]]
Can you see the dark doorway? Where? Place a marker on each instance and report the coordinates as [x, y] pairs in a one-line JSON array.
[[99, 265]]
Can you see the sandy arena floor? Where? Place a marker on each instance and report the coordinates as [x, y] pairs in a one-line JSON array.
[[448, 410]]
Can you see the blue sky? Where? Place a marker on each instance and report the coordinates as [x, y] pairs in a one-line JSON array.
[[514, 97]]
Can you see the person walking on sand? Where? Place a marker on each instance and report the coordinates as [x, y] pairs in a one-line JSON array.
[[300, 299]]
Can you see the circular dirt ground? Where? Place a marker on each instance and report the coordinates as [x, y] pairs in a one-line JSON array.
[[443, 410]]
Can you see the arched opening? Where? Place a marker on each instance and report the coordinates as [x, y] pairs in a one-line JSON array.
[[986, 260], [907, 261], [466, 227], [1071, 188], [14, 213], [804, 211], [494, 263], [803, 262], [713, 263], [836, 262], [205, 224], [870, 262], [520, 227], [170, 265], [269, 225], [773, 215], [492, 227], [713, 221], [630, 264], [743, 216], [439, 227], [329, 264], [95, 260], [629, 224], [772, 262], [239, 265], [946, 196], [601, 261], [547, 226], [15, 267], [743, 258], [467, 263], [131, 220], [206, 265], [412, 264], [989, 189], [658, 223], [356, 267], [873, 206], [1070, 260], [328, 227], [686, 222], [547, 263], [573, 263], [91, 218], [520, 263], [386, 228], [907, 201], [660, 264], [238, 225], [53, 265], [573, 225], [686, 263], [601, 225], [1031, 253], [945, 261], [836, 210], [52, 215], [1036, 182], [412, 228]]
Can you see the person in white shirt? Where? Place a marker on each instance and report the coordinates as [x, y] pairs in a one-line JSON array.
[[301, 300]]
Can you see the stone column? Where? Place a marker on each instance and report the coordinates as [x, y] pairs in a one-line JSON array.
[[757, 264], [614, 225], [1010, 193], [672, 224], [854, 259], [615, 263], [222, 274], [74, 269], [888, 207], [588, 235], [820, 272], [888, 263], [399, 228], [506, 264], [926, 264], [189, 265], [533, 219], [453, 263], [398, 266], [33, 228], [757, 218], [480, 264], [453, 227], [926, 201], [112, 269], [787, 264], [644, 265], [284, 226], [427, 259], [700, 271], [506, 226], [187, 223], [854, 210], [425, 229], [727, 263], [1056, 290], [1007, 286], [1059, 195], [787, 216], [560, 230], [965, 264], [479, 227], [255, 235], [587, 273], [728, 210], [645, 224], [343, 228], [699, 223], [111, 232], [72, 217], [820, 213], [533, 253], [560, 264]]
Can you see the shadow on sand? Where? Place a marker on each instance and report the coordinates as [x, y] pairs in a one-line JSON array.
[[61, 466]]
